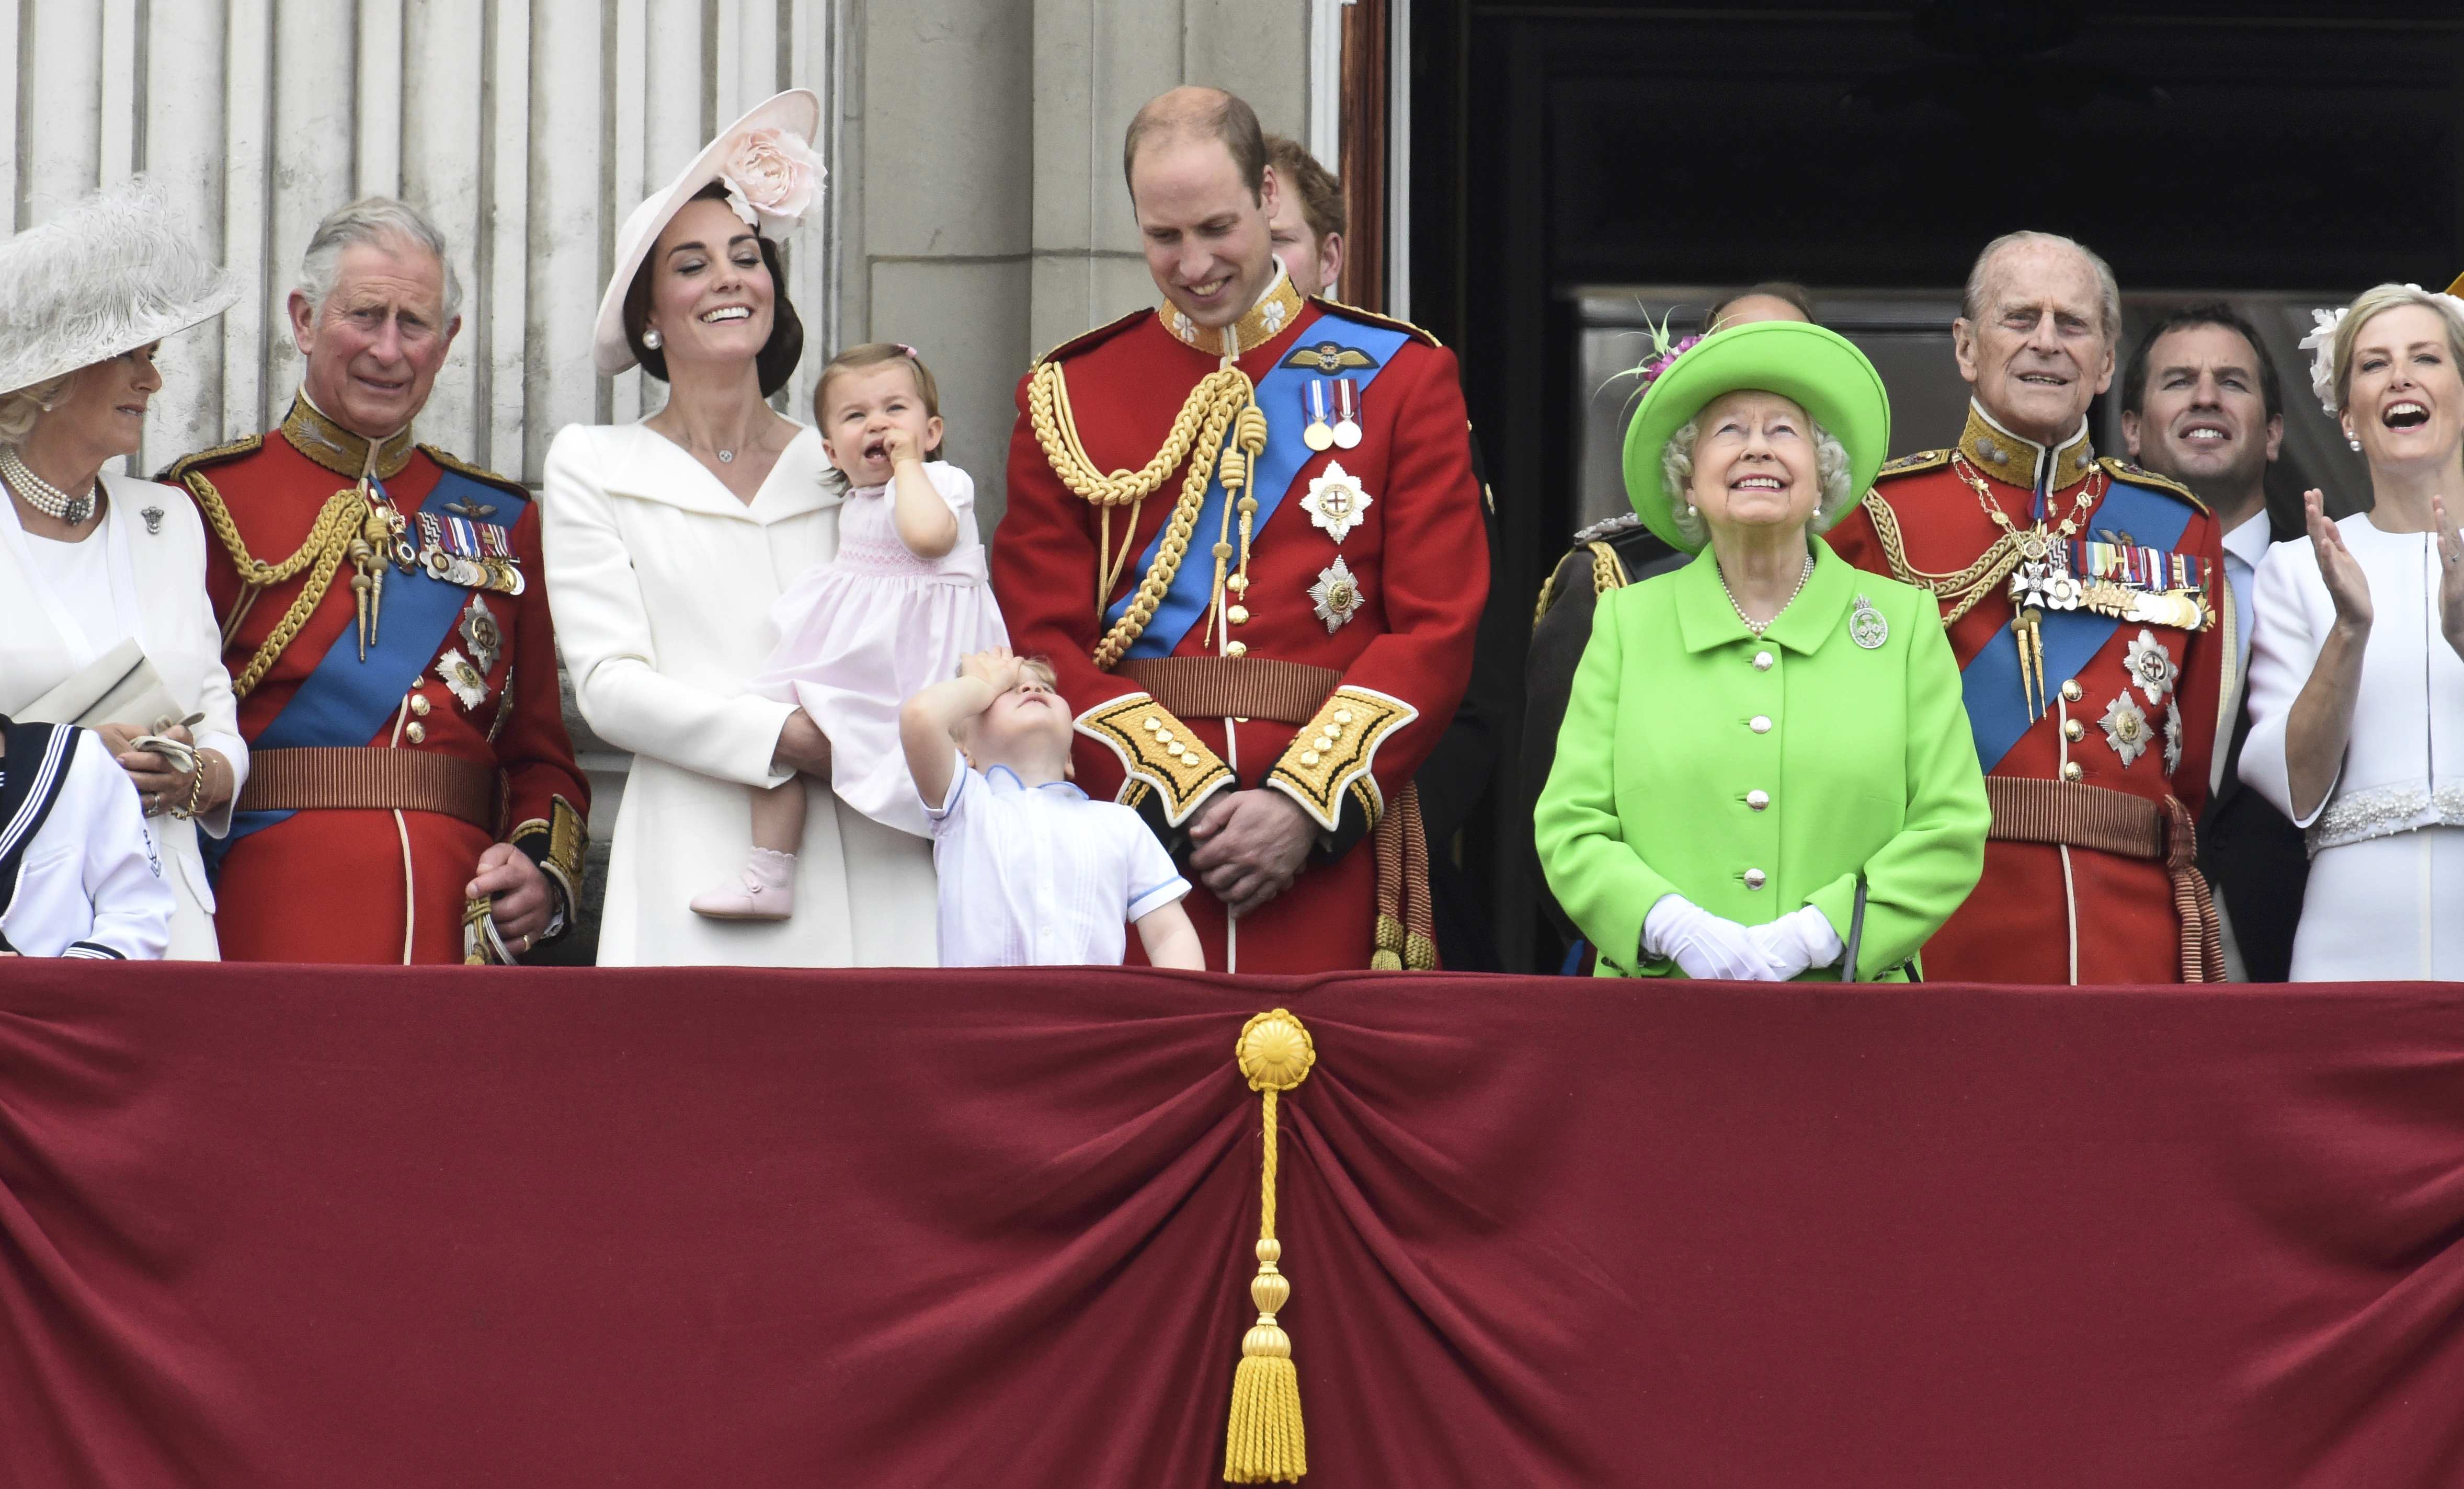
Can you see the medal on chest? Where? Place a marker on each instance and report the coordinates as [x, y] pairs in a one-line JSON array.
[[1335, 502]]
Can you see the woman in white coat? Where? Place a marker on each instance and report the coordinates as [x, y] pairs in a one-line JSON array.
[[667, 541], [2357, 657], [99, 572]]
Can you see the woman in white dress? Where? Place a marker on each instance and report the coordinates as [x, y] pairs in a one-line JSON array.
[[92, 561], [2356, 656], [667, 543]]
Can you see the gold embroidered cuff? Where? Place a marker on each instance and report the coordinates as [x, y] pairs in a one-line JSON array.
[[1333, 753], [556, 846], [1156, 749]]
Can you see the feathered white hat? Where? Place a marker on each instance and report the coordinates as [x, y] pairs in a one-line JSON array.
[[116, 271], [774, 180]]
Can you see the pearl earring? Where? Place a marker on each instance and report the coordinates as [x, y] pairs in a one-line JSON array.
[[2356, 444], [653, 340]]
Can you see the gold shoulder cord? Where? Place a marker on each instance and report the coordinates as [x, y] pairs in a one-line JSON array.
[[329, 538], [1963, 589], [1223, 400]]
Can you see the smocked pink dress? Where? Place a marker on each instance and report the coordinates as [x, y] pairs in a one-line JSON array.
[[863, 632]]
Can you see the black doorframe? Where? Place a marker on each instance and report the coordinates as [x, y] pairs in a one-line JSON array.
[[2332, 89]]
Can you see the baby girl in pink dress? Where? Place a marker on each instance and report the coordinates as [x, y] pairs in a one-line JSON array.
[[906, 597]]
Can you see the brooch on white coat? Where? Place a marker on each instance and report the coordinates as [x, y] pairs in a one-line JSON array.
[[153, 516], [1336, 594], [1335, 502]]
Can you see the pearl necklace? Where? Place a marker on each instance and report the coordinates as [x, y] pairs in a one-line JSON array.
[[1755, 628], [41, 494]]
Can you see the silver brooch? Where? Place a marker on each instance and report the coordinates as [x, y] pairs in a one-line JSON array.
[[1336, 594], [2151, 667], [468, 688], [1335, 502], [479, 629], [153, 516], [1867, 626], [2125, 728]]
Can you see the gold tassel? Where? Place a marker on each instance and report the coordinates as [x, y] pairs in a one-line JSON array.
[[1264, 1443], [1389, 954]]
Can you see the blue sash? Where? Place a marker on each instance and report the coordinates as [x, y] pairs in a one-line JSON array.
[[346, 701], [1997, 709], [1279, 394]]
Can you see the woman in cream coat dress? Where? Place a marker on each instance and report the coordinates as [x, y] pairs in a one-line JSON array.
[[667, 545], [88, 559]]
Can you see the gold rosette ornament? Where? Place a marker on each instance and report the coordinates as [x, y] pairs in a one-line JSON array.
[[1265, 1444]]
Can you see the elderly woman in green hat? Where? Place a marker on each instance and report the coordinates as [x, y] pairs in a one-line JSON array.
[[1766, 770]]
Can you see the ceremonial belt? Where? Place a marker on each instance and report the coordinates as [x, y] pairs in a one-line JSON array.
[[2074, 815], [1291, 692], [368, 779], [1286, 692]]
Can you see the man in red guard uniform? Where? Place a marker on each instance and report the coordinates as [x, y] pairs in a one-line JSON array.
[[2082, 598], [413, 796], [1244, 529]]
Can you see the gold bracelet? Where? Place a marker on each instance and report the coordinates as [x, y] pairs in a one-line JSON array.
[[196, 791]]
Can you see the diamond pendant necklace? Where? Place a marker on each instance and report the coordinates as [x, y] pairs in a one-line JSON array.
[[41, 494], [1755, 628]]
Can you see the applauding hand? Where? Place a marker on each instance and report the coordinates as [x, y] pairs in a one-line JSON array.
[[2347, 585], [2450, 574]]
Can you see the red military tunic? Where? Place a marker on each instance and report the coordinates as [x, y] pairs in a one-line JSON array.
[[2131, 711], [365, 882], [1381, 595]]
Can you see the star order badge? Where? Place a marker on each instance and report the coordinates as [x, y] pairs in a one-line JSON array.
[[1335, 502], [2125, 728], [2151, 667], [1336, 594], [470, 688], [2173, 735], [480, 631]]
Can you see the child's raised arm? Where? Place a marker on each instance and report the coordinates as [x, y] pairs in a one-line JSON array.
[[925, 721], [925, 522]]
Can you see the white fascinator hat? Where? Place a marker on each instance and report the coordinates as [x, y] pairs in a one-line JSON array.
[[118, 270], [773, 180]]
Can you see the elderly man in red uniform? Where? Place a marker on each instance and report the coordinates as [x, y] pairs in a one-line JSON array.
[[1244, 528], [2083, 599], [388, 634]]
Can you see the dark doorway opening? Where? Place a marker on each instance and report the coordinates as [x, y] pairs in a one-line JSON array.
[[1558, 149]]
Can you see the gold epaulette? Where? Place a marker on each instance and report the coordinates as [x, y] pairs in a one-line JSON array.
[[1909, 464], [461, 466], [1417, 332], [177, 471], [2140, 475], [1608, 572], [1086, 339]]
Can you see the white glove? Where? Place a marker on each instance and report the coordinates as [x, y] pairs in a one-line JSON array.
[[1798, 940], [1703, 945]]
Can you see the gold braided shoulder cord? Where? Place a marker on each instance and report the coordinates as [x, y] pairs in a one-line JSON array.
[[329, 538], [1963, 588], [1196, 435]]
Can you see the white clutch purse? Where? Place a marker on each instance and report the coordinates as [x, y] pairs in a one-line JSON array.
[[118, 688]]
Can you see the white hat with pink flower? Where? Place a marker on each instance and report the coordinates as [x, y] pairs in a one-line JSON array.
[[774, 182]]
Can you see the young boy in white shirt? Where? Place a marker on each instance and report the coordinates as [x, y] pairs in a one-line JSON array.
[[79, 873], [1032, 872]]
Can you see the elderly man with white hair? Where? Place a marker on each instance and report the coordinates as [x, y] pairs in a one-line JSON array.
[[413, 796], [2087, 609]]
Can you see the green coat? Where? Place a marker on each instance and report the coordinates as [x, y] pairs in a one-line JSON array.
[[1864, 754]]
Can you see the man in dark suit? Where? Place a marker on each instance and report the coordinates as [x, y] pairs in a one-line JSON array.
[[2201, 403]]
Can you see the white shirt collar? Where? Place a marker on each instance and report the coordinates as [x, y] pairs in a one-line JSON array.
[[2248, 541], [1003, 780]]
